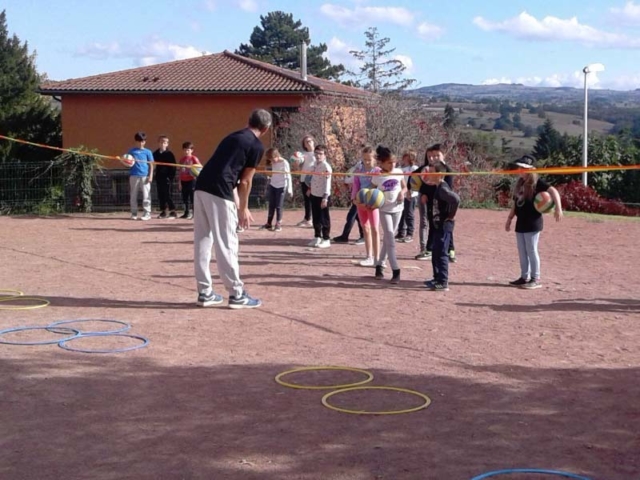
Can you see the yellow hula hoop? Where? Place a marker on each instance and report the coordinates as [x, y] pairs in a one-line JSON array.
[[323, 387], [18, 295], [427, 401]]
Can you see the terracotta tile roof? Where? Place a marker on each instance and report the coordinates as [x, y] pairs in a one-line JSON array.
[[223, 72]]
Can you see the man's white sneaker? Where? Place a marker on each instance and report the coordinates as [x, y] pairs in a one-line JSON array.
[[324, 244], [315, 242], [367, 262]]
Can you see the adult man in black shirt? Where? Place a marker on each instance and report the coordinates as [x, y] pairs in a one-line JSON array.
[[216, 216], [164, 176]]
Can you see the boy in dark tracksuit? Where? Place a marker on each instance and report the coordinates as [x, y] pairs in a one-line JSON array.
[[445, 206], [164, 177]]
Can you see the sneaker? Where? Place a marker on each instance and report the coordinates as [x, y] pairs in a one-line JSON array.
[[315, 242], [278, 228], [185, 215], [243, 301], [452, 256], [384, 264], [145, 217], [134, 216], [439, 287], [531, 284], [426, 255], [518, 282], [266, 226], [326, 243], [163, 215], [400, 238], [340, 239], [173, 215], [239, 229], [408, 239], [205, 300], [430, 283], [367, 262], [379, 274], [190, 216], [359, 241], [395, 279], [304, 224]]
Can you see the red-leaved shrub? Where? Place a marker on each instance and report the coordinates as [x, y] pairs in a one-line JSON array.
[[578, 198]]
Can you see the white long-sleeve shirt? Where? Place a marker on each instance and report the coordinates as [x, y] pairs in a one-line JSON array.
[[321, 184], [307, 166], [281, 176]]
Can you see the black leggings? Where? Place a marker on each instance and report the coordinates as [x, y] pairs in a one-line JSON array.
[[187, 194], [276, 199], [307, 201]]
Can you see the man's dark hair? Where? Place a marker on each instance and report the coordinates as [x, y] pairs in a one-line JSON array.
[[187, 145], [320, 148]]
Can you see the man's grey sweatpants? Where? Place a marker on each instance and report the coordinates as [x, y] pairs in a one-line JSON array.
[[214, 225]]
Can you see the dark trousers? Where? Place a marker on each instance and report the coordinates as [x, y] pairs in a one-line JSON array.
[[165, 191], [441, 246], [408, 218], [187, 194], [352, 217], [321, 218], [307, 201], [276, 200], [431, 234]]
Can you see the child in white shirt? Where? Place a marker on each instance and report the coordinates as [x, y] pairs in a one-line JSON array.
[[391, 183], [319, 193], [279, 184]]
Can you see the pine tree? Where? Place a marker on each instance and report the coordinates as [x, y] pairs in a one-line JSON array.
[[24, 113], [277, 41], [379, 73], [549, 141], [450, 117]]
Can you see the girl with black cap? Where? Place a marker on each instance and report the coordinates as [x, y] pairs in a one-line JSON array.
[[529, 222]]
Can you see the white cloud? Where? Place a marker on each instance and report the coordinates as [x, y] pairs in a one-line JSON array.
[[360, 15], [147, 53], [406, 61], [550, 28], [624, 82], [338, 52], [428, 31], [248, 5], [100, 51], [574, 79], [628, 15]]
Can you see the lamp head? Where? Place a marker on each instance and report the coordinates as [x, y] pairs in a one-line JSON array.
[[593, 68]]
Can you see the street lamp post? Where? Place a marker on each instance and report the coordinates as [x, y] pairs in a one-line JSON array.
[[594, 67]]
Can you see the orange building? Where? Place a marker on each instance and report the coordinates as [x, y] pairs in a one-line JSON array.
[[199, 100]]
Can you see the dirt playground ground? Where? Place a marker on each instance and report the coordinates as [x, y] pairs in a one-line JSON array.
[[545, 379]]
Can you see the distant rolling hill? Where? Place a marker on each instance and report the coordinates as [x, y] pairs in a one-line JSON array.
[[522, 93]]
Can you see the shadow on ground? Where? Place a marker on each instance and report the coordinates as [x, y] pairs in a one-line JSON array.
[[73, 416]]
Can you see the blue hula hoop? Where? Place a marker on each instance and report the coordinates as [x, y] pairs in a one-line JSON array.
[[63, 343], [530, 470], [44, 342], [51, 327]]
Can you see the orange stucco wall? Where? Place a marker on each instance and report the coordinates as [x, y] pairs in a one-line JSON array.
[[109, 122]]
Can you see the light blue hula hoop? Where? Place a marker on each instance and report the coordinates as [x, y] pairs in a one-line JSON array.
[[63, 343], [530, 470], [51, 327], [44, 342]]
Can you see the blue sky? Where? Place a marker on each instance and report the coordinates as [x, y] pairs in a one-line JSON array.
[[545, 43]]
